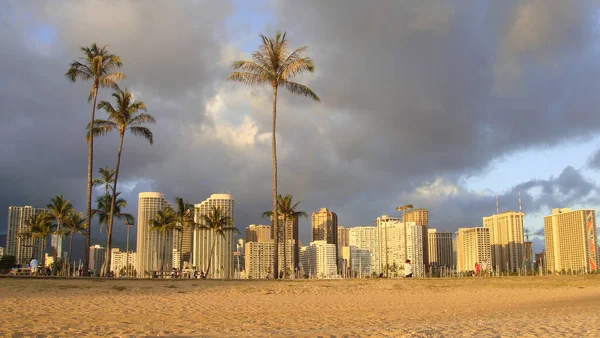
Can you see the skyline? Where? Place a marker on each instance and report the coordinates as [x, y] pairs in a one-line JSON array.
[[445, 132]]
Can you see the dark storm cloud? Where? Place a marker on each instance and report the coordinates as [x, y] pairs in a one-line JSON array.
[[412, 92]]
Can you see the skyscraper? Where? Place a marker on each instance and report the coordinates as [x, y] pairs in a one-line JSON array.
[[97, 254], [421, 218], [18, 242], [258, 233], [259, 258], [187, 234], [440, 248], [366, 237], [149, 242], [324, 226], [506, 240], [222, 264], [291, 235], [398, 242], [342, 241], [320, 257], [571, 240], [472, 246]]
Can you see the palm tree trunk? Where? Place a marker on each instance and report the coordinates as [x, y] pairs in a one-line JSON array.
[[285, 246], [127, 250], [44, 252], [212, 249], [275, 215], [71, 245], [164, 252], [88, 206], [112, 209], [55, 263]]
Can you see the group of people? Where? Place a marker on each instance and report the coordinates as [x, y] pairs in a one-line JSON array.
[[481, 269]]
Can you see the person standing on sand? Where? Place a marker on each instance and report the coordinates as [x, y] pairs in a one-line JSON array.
[[484, 268], [408, 273], [477, 267]]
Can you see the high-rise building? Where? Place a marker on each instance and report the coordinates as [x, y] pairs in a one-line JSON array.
[[222, 264], [440, 248], [472, 246], [571, 240], [421, 218], [291, 236], [187, 234], [1, 251], [320, 259], [506, 240], [342, 241], [324, 226], [366, 237], [18, 243], [258, 233], [120, 260], [97, 255], [357, 262], [528, 251], [259, 258], [399, 242], [149, 242]]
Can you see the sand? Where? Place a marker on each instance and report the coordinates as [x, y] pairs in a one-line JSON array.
[[492, 307]]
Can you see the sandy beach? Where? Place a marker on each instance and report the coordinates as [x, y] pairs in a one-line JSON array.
[[534, 306]]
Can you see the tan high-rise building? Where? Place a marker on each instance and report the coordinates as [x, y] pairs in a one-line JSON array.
[[506, 240], [18, 243], [421, 218], [472, 246], [571, 240], [150, 243], [258, 233], [324, 227], [187, 240], [222, 262], [440, 248], [259, 259]]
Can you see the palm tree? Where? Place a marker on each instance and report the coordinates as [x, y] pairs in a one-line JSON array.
[[287, 209], [272, 64], [125, 117], [165, 221], [74, 224], [217, 221], [185, 217], [98, 65], [59, 210], [39, 226], [129, 222], [107, 179], [103, 212]]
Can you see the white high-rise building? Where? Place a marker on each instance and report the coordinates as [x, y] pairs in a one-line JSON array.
[[400, 242], [319, 260], [120, 259], [97, 255], [24, 248], [366, 237], [222, 262], [149, 242]]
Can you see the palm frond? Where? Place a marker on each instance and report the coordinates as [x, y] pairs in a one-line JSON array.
[[296, 88], [143, 132], [140, 119], [247, 78], [109, 80]]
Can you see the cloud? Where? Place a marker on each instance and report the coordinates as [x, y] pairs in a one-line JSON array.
[[416, 96]]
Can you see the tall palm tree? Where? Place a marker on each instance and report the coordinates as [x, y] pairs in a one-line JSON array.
[[40, 226], [165, 222], [74, 224], [106, 179], [288, 210], [103, 212], [98, 65], [217, 221], [273, 64], [59, 210], [129, 222], [185, 217], [128, 115]]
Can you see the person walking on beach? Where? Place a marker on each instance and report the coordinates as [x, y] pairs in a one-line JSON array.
[[484, 268], [408, 273], [477, 267]]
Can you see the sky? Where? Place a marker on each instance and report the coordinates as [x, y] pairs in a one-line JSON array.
[[440, 104]]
